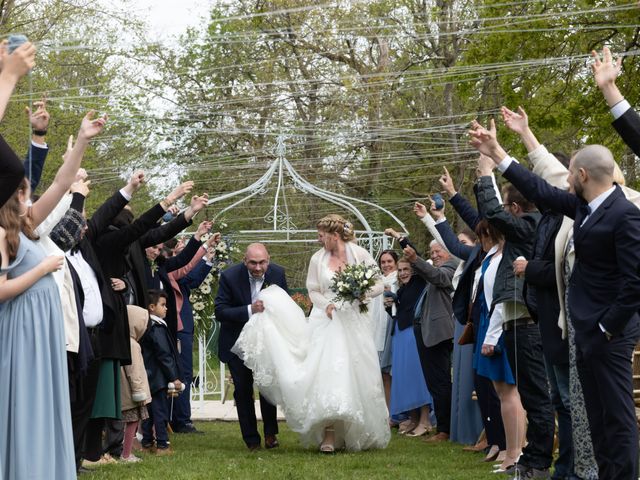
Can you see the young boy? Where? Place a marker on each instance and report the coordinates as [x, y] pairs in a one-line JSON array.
[[161, 362]]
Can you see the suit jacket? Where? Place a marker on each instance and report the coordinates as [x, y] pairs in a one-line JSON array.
[[190, 281], [436, 321], [540, 289], [234, 294], [11, 172], [34, 164], [160, 357], [628, 127], [605, 284], [136, 257], [162, 275], [472, 256], [114, 329], [518, 232]]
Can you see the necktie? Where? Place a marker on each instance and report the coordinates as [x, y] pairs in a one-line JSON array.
[[586, 211], [254, 289]]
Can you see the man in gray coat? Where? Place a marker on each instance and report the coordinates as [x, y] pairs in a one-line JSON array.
[[433, 329]]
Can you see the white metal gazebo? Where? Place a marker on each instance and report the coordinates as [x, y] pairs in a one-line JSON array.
[[281, 229]]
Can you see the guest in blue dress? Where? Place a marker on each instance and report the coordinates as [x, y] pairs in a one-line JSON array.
[[36, 440], [490, 360], [409, 391]]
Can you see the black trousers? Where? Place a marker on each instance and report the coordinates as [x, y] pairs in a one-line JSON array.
[[524, 351], [81, 406], [606, 374], [244, 397], [489, 404], [436, 368]]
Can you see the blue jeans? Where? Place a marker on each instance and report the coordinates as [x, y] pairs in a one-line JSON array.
[[158, 418], [559, 382]]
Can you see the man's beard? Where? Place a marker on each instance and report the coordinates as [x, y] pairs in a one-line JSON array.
[[578, 189]]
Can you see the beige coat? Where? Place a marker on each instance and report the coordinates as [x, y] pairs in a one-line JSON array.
[[133, 378]]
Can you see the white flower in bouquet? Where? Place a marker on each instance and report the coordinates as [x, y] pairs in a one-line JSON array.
[[353, 283], [206, 289], [199, 306]]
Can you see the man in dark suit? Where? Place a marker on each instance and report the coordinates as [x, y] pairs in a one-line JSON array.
[[434, 330], [236, 301], [626, 119], [604, 291]]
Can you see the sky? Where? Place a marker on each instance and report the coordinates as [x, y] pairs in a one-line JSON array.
[[169, 17]]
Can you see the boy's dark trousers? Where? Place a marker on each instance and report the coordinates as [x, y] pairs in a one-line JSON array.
[[158, 418]]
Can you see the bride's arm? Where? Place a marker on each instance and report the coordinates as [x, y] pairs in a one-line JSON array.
[[313, 285]]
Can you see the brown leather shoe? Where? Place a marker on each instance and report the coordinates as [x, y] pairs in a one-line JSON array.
[[438, 437], [254, 448], [270, 441], [161, 452]]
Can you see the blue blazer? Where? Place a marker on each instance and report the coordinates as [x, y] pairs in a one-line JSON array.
[[605, 284], [191, 280], [234, 294]]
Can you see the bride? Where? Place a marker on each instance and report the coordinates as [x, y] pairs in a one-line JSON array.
[[324, 373]]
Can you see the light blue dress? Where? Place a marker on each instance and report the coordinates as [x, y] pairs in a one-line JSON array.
[[36, 440]]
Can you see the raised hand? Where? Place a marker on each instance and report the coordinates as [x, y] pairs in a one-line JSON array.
[[485, 165], [419, 209], [214, 239], [199, 202], [179, 192], [203, 228], [391, 233], [135, 182], [436, 213], [485, 141], [516, 122], [20, 62], [447, 183], [410, 254], [40, 118], [81, 174], [81, 187], [67, 153], [605, 71], [90, 127]]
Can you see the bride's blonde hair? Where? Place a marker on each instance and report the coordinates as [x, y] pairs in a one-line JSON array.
[[336, 224]]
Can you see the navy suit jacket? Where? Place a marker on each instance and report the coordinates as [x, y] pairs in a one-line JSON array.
[[628, 127], [191, 280], [605, 284], [234, 294]]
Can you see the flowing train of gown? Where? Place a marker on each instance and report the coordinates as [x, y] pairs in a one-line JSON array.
[[321, 372]]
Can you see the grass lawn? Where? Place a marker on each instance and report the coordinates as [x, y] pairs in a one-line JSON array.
[[221, 454]]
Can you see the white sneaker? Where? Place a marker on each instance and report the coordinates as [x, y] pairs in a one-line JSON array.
[[130, 459]]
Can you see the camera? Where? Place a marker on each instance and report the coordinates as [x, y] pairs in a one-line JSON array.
[[15, 41], [438, 201]]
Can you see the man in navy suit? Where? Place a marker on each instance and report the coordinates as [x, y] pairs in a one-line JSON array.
[[236, 301], [604, 291]]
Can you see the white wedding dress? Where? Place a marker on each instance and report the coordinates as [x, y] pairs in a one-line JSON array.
[[320, 371]]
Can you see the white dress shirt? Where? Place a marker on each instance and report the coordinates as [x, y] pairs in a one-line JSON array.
[[256, 286], [92, 311]]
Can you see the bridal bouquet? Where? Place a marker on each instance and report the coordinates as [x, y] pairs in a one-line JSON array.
[[353, 282]]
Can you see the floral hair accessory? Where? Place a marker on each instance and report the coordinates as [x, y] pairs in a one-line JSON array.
[[347, 227]]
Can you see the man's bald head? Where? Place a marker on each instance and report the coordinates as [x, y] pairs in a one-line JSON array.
[[256, 259], [597, 161]]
